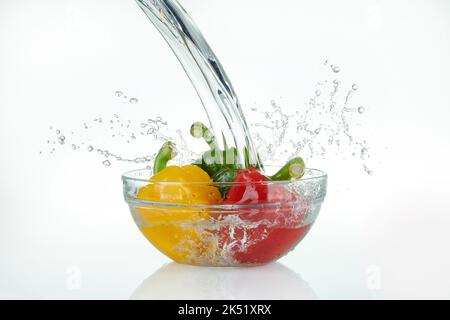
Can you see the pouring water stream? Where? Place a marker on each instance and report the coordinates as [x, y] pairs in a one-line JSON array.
[[206, 74]]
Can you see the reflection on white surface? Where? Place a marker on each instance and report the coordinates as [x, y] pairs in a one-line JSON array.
[[176, 281]]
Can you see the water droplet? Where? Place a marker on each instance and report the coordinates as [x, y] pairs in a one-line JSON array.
[[151, 131], [361, 110], [364, 152], [134, 100], [119, 94], [317, 131], [58, 131], [62, 140], [367, 170], [355, 87], [348, 97], [335, 69], [107, 163], [90, 148], [318, 93]]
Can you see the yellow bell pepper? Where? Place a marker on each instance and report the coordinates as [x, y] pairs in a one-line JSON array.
[[177, 231]]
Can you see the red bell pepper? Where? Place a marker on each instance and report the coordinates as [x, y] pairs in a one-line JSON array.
[[272, 227]]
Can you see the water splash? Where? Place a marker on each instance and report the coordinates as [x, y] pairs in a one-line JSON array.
[[113, 137], [323, 127], [125, 99]]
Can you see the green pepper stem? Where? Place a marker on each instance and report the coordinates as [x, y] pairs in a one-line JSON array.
[[199, 130], [294, 169], [165, 154]]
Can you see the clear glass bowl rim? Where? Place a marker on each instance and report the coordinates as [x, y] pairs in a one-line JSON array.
[[318, 176]]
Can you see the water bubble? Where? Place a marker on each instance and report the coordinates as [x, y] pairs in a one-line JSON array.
[[318, 93], [107, 163], [90, 148], [62, 140], [361, 110], [335, 69], [151, 131], [355, 87], [317, 131], [58, 131], [119, 94], [134, 100], [364, 152]]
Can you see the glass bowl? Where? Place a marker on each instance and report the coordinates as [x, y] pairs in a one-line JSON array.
[[244, 233]]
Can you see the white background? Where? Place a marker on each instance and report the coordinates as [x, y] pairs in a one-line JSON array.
[[65, 231]]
